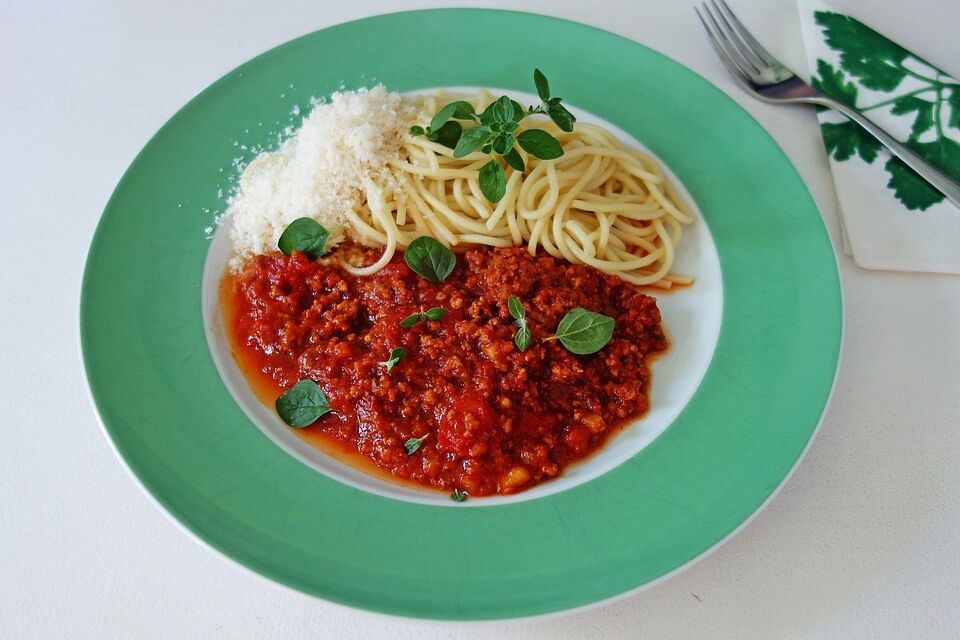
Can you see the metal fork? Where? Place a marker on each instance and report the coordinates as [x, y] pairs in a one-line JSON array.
[[762, 75]]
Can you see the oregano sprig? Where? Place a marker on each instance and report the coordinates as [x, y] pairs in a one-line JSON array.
[[413, 444], [583, 332], [495, 134], [433, 313], [305, 235], [302, 404], [519, 314], [396, 355], [430, 259]]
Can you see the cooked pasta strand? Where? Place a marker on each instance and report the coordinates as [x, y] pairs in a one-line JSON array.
[[601, 203]]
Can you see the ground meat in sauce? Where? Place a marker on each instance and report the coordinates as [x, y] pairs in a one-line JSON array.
[[497, 420]]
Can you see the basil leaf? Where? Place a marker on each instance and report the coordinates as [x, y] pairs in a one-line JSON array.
[[458, 496], [492, 182], [302, 404], [430, 259], [503, 143], [559, 114], [487, 148], [416, 130], [583, 332], [516, 308], [395, 356], [443, 115], [523, 337], [413, 444], [305, 235], [471, 140], [449, 134], [514, 160], [435, 313], [503, 109], [510, 127], [411, 320], [543, 87], [540, 144]]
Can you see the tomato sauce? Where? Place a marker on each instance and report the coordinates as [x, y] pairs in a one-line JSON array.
[[497, 420]]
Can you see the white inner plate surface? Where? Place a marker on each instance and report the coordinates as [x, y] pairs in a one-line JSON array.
[[691, 317]]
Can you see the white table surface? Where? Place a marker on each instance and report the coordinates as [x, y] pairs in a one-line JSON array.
[[863, 542]]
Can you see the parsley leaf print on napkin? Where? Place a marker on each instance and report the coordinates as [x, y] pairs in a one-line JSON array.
[[913, 90]]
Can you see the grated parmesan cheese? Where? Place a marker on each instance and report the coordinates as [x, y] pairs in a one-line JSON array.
[[324, 171]]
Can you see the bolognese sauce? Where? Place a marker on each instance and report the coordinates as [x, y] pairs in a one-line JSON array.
[[492, 419]]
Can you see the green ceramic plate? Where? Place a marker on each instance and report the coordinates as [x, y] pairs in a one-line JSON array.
[[174, 423]]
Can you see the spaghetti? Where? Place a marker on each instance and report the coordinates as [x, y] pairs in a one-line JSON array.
[[600, 204]]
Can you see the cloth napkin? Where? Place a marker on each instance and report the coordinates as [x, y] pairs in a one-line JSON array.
[[890, 217]]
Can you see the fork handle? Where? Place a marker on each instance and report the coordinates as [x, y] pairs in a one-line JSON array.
[[941, 181]]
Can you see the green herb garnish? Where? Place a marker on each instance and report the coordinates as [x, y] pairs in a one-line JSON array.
[[471, 140], [444, 130], [513, 159], [493, 182], [449, 134], [458, 496], [461, 110], [302, 404], [430, 259], [305, 235], [523, 337], [395, 357], [539, 143], [413, 444], [494, 134], [584, 332], [433, 313], [543, 87]]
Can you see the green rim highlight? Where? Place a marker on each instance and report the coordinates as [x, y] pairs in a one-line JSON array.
[[174, 423]]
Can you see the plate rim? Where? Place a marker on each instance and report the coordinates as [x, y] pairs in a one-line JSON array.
[[549, 615]]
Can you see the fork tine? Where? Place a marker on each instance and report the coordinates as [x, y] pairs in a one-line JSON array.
[[733, 49], [755, 47], [736, 39], [728, 57]]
